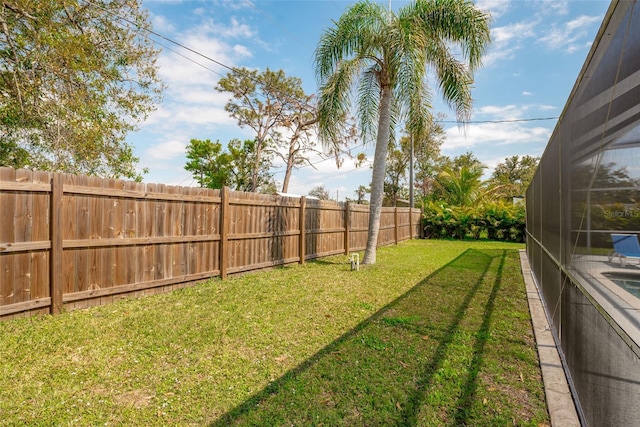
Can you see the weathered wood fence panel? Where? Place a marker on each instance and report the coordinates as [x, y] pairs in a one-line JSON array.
[[71, 241], [24, 226]]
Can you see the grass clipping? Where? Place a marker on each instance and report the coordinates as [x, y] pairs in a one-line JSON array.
[[436, 333]]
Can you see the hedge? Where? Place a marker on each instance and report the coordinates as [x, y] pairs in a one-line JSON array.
[[493, 221]]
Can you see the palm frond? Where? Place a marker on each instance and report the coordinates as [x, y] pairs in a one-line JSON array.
[[335, 100], [347, 51], [369, 102], [455, 21], [454, 80], [354, 34]]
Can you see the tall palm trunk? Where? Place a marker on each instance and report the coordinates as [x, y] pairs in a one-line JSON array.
[[377, 176]]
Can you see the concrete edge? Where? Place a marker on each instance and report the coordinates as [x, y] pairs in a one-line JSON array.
[[562, 409]]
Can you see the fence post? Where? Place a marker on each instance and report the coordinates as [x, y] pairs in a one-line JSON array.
[[347, 226], [301, 220], [410, 223], [224, 230], [55, 255], [395, 223]]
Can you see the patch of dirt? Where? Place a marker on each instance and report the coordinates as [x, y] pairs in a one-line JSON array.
[[519, 397], [135, 398]]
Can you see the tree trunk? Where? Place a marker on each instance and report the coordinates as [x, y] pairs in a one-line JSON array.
[[256, 166], [287, 174], [293, 152], [377, 176]]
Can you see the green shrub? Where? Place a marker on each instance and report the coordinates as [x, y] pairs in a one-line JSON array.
[[493, 221]]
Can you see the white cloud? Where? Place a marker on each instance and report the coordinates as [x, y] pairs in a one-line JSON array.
[[494, 133], [191, 102], [507, 40], [304, 180], [497, 8], [526, 93], [161, 24], [166, 150], [508, 33], [502, 112], [234, 4], [543, 107], [180, 113], [242, 51], [510, 111], [495, 56], [235, 29], [554, 7], [568, 37], [504, 131]]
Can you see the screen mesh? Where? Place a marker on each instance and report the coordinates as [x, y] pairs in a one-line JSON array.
[[585, 193]]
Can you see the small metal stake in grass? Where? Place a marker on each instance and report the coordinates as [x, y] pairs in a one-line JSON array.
[[355, 262]]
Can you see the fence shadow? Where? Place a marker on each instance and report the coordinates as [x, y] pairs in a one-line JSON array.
[[380, 372]]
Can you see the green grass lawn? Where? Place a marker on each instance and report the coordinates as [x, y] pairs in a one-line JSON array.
[[436, 333]]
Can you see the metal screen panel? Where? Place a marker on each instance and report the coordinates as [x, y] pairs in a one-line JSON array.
[[585, 192], [551, 199]]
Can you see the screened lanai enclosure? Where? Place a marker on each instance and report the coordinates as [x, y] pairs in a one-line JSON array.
[[583, 226]]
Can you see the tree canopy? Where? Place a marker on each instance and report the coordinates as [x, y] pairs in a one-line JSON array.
[[319, 192], [283, 117], [515, 174], [426, 151], [75, 78], [214, 167]]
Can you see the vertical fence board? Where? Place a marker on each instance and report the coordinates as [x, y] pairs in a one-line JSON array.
[[302, 224], [117, 220], [178, 256], [187, 222], [347, 228], [215, 229], [22, 233], [70, 229], [210, 227], [224, 227], [82, 224], [55, 257], [105, 254], [149, 217], [95, 232], [254, 243], [132, 230], [159, 225], [118, 270], [40, 233], [202, 230], [191, 225], [7, 235], [167, 258], [395, 225]]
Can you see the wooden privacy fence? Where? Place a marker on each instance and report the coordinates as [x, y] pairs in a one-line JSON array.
[[76, 241]]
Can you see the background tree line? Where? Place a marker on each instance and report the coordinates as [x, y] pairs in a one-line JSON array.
[[283, 119], [287, 123], [75, 78]]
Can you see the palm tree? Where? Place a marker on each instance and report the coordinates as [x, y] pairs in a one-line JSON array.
[[384, 57], [462, 186]]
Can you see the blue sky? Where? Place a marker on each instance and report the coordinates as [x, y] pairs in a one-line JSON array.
[[537, 52]]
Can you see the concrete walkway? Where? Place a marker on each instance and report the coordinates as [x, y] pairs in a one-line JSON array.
[[561, 407]]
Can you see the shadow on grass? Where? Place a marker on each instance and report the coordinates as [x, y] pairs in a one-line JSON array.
[[393, 368]]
